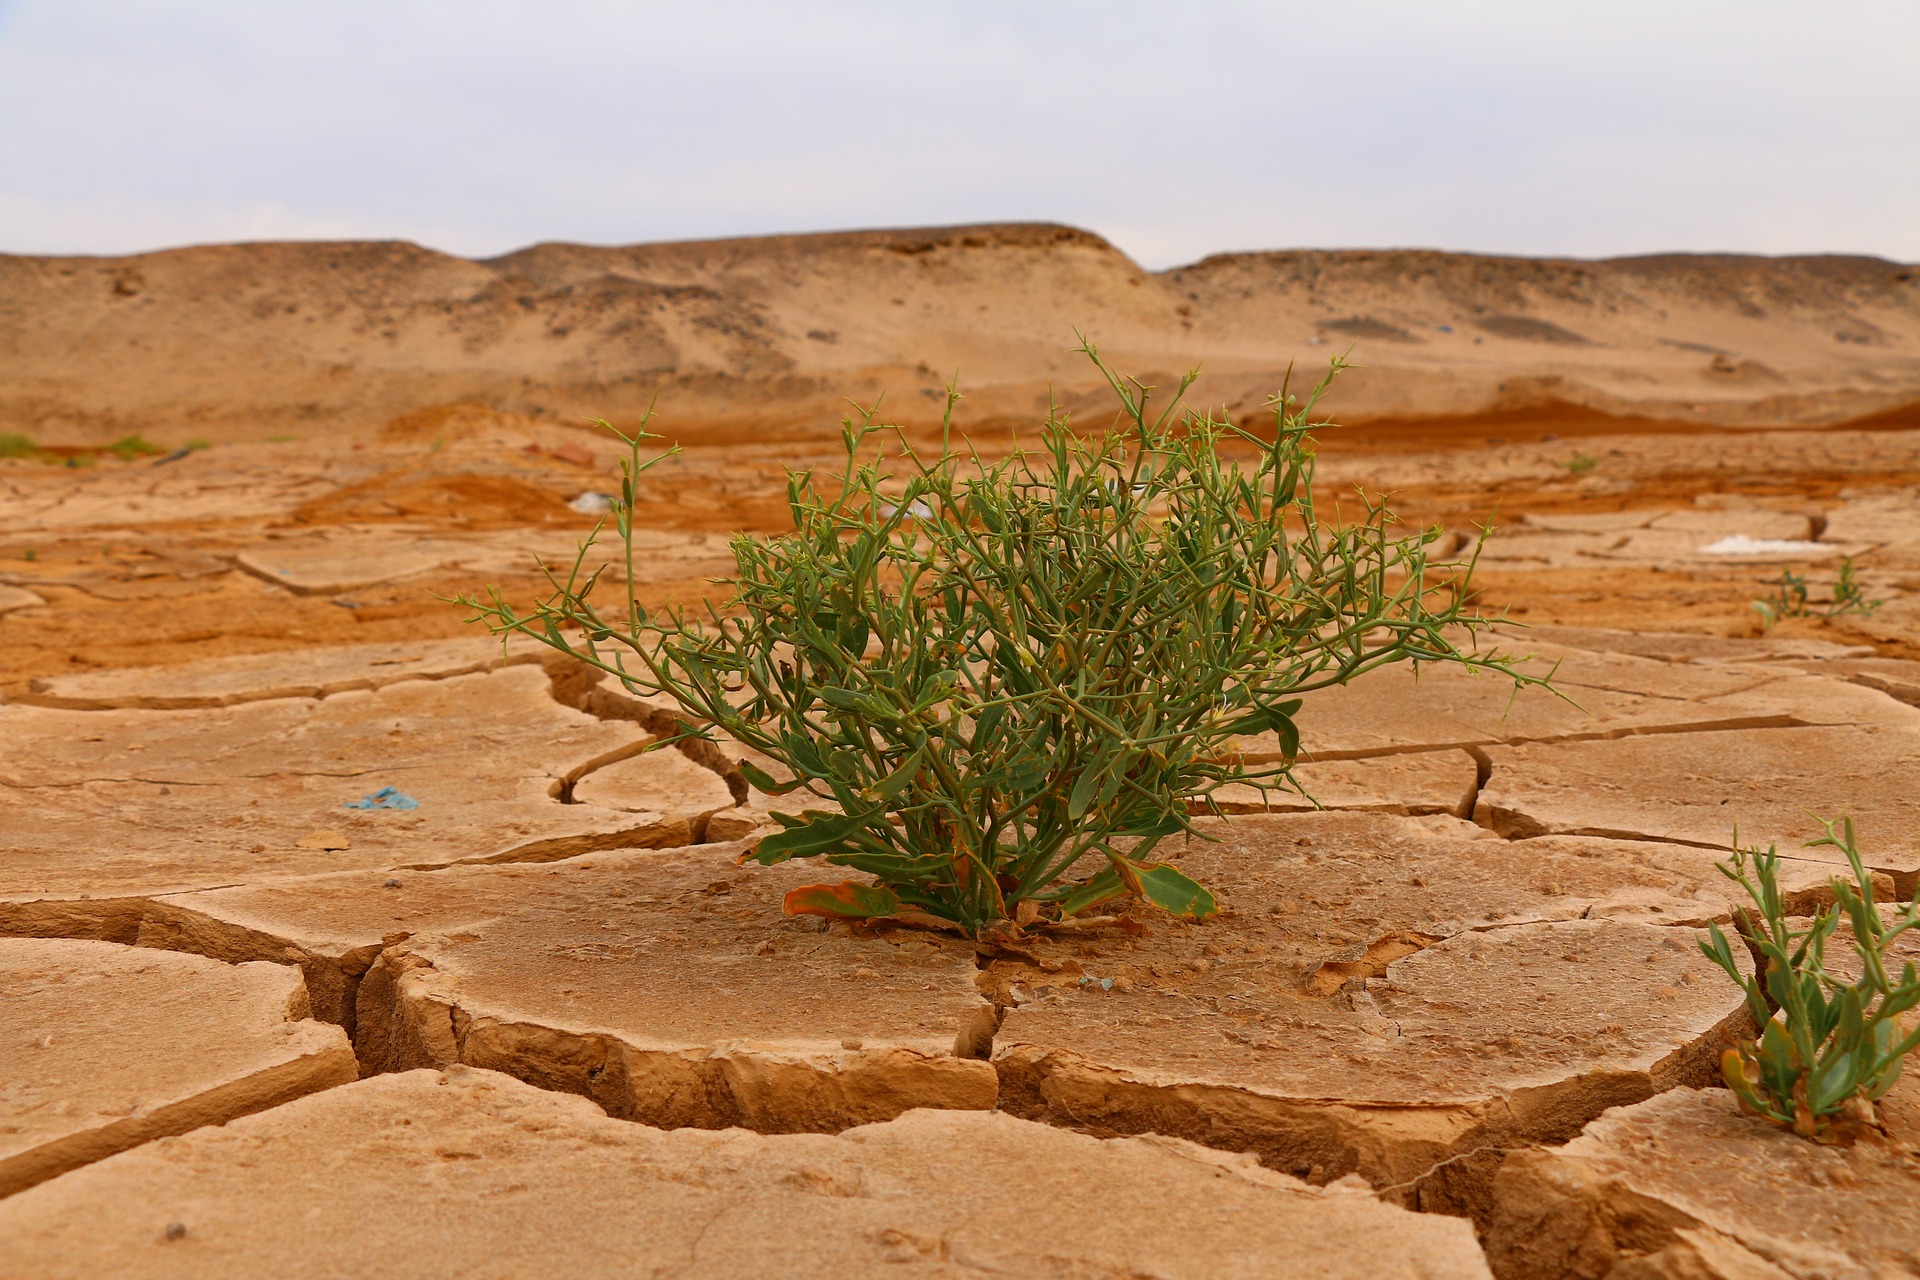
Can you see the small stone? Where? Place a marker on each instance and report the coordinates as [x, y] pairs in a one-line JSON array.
[[322, 840], [176, 1230], [852, 1042], [390, 884]]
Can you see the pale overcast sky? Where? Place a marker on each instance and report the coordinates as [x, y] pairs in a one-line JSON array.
[[1175, 129]]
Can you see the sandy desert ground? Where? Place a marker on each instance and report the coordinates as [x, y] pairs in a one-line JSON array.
[[1452, 1022]]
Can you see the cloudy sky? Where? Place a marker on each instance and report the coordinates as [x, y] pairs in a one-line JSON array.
[[1175, 129]]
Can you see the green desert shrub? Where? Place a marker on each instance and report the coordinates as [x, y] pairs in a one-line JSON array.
[[1014, 679], [1827, 1049], [15, 445]]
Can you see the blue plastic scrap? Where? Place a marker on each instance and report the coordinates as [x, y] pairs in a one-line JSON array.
[[384, 798]]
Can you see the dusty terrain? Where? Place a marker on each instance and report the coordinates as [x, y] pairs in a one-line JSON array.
[[258, 1020]]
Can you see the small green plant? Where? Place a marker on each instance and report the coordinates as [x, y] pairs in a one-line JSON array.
[[1828, 1050], [1847, 595], [127, 448], [15, 445], [1581, 463], [1789, 598], [1014, 679]]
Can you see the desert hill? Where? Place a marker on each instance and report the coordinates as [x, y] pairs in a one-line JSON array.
[[757, 338]]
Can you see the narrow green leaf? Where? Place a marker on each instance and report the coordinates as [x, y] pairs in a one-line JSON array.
[[852, 631], [1081, 797], [764, 783], [1832, 1081], [894, 783], [842, 699], [1104, 886], [818, 833], [1148, 822]]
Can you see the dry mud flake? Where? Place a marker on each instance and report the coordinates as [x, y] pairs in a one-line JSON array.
[[1895, 622], [1681, 647], [1398, 1049], [1303, 889], [1685, 1187], [107, 1047], [1898, 678], [1889, 520], [246, 482], [325, 567], [1586, 522], [470, 1172], [1657, 539], [1397, 709], [1694, 788], [668, 986], [301, 673], [345, 560], [102, 807], [1415, 783], [657, 781], [1758, 523]]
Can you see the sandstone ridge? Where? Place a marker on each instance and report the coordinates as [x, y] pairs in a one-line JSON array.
[[748, 338]]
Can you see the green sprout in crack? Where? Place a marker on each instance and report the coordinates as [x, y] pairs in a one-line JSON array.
[[1827, 1050], [1789, 598], [1004, 684]]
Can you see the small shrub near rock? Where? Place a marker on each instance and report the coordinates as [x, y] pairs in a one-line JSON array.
[[1014, 679]]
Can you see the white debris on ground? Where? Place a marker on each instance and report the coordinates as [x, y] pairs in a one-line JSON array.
[[1741, 545]]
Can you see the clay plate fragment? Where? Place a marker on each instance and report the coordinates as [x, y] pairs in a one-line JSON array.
[[1684, 1185], [1694, 788], [472, 1173], [107, 1047], [666, 985]]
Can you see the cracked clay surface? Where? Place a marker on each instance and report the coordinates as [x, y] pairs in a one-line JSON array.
[[342, 914]]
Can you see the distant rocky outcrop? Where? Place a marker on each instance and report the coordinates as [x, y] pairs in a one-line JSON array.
[[756, 338]]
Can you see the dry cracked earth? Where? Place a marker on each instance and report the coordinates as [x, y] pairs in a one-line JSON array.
[[1451, 1021]]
